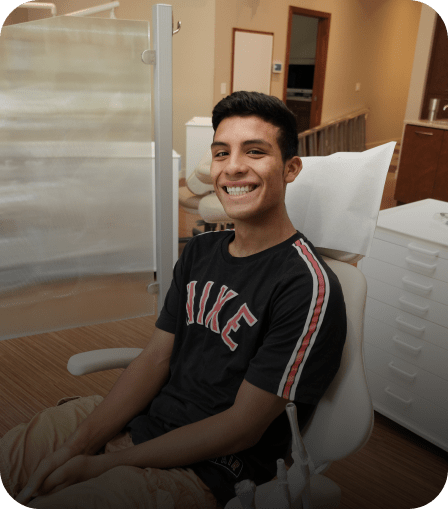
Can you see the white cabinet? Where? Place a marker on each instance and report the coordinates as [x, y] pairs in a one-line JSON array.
[[406, 325]]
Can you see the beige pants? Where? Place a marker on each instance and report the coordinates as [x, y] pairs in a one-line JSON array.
[[22, 449]]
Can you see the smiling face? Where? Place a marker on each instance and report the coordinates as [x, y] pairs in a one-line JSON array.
[[249, 175]]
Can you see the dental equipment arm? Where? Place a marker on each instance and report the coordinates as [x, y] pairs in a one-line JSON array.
[[245, 491], [299, 473]]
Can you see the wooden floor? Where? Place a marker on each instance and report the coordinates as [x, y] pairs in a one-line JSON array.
[[395, 470]]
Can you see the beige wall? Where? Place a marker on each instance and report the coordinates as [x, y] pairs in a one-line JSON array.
[[371, 42], [421, 63]]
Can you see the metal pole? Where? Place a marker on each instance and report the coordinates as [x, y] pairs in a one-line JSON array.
[[162, 30]]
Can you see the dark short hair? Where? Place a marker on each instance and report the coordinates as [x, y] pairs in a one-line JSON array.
[[268, 108]]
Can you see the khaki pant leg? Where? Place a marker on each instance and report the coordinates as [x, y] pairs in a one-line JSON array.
[[23, 447], [131, 488]]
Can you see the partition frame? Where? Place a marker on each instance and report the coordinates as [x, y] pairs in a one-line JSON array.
[[162, 34]]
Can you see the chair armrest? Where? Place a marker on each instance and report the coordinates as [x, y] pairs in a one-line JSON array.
[[100, 360]]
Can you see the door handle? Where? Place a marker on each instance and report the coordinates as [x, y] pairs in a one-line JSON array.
[[421, 265], [416, 286], [420, 310], [415, 350], [412, 329], [409, 376], [406, 402], [418, 249]]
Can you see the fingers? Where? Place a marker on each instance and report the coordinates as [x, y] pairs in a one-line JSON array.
[[25, 495], [35, 485]]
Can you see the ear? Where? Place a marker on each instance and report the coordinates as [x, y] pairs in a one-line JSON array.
[[292, 168]]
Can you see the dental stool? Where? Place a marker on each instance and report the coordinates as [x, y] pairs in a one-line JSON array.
[[198, 197]]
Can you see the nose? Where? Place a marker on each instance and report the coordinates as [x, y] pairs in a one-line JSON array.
[[236, 165]]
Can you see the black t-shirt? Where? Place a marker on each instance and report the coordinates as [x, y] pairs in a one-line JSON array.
[[276, 319]]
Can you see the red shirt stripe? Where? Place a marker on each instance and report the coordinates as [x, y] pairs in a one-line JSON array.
[[313, 322]]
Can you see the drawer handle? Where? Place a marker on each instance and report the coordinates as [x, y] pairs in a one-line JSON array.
[[423, 132], [420, 264], [407, 402], [418, 309], [417, 286], [409, 376], [418, 249], [409, 327], [413, 349]]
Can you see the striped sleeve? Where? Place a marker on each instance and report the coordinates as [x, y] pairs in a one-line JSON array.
[[301, 351], [316, 312]]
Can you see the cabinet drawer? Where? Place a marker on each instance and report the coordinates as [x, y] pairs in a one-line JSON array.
[[417, 414], [411, 258], [408, 323], [404, 346], [409, 302], [410, 377], [421, 285]]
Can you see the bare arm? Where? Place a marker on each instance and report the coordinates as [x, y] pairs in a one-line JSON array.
[[132, 392], [231, 431], [228, 432], [136, 387]]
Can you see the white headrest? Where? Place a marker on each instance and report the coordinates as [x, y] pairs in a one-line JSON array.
[[335, 199]]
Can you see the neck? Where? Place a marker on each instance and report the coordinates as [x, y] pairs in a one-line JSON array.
[[254, 237]]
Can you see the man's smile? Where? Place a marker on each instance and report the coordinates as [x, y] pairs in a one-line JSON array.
[[239, 190]]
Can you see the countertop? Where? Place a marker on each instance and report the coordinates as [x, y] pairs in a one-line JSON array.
[[440, 124]]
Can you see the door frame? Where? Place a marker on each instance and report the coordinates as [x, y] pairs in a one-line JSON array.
[[323, 36]]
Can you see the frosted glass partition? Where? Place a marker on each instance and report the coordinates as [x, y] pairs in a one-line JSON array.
[[76, 174]]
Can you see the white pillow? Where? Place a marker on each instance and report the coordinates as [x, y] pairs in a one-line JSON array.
[[335, 199]]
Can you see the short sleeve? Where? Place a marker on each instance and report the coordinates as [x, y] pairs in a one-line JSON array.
[[302, 348], [167, 320]]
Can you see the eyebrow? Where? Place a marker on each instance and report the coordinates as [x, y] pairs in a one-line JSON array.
[[244, 143]]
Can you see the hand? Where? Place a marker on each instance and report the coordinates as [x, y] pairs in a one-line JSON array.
[[77, 469], [46, 467]]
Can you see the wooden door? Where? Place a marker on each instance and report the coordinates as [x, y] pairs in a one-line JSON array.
[[440, 190], [323, 35], [437, 80], [418, 163]]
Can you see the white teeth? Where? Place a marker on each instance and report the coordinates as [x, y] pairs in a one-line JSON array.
[[238, 191]]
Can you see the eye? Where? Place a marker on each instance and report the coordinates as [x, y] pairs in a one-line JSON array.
[[221, 153], [255, 151]]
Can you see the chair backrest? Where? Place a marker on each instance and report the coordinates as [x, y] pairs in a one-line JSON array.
[[343, 419]]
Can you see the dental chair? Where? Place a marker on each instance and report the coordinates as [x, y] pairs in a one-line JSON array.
[[343, 419]]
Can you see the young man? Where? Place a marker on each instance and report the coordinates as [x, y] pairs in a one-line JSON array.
[[254, 319]]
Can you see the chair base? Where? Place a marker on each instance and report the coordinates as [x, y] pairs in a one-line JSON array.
[[325, 494]]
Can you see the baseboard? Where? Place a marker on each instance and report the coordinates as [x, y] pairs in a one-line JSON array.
[[374, 144]]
